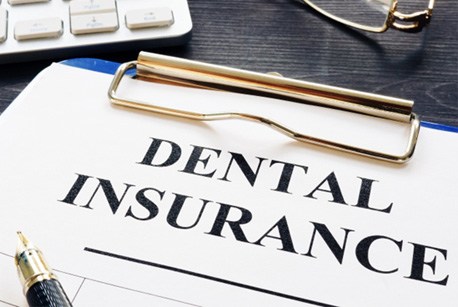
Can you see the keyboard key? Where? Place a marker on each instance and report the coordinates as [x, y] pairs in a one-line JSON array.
[[94, 23], [14, 2], [38, 28], [153, 17], [3, 24], [80, 7], [26, 35]]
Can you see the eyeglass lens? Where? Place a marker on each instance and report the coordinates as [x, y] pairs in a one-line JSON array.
[[366, 13]]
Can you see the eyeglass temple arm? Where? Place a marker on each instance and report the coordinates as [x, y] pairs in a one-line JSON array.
[[412, 22]]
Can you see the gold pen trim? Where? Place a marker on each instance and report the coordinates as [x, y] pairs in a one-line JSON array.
[[30, 263]]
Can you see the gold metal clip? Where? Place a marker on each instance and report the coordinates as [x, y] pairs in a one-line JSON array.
[[165, 69]]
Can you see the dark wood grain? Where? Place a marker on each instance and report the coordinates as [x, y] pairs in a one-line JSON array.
[[287, 37]]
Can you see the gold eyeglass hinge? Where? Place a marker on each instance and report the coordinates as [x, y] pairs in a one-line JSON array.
[[413, 22]]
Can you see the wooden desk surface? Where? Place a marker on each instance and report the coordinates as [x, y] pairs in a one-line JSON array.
[[287, 37]]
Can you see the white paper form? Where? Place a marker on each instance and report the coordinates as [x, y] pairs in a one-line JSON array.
[[137, 209]]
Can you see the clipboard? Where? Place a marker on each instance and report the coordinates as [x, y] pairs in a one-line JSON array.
[[176, 71], [86, 137]]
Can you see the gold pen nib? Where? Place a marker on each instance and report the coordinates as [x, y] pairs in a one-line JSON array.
[[23, 243]]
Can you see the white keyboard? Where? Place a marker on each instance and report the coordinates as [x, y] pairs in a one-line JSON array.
[[38, 29]]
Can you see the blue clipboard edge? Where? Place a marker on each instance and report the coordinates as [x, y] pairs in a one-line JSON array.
[[439, 127], [97, 65], [110, 68]]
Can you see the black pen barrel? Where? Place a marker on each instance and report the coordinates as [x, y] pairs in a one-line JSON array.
[[47, 293]]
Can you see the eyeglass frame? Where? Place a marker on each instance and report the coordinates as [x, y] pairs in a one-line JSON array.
[[413, 22]]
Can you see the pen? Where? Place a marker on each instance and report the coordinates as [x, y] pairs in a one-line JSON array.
[[41, 286]]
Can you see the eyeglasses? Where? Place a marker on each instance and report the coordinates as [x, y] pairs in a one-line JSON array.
[[372, 15]]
